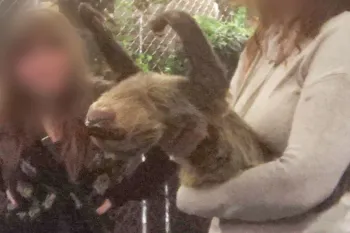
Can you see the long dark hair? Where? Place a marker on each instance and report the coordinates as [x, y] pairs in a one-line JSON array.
[[303, 25], [19, 130]]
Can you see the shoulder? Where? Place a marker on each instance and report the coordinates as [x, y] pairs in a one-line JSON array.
[[329, 53], [335, 33], [338, 23]]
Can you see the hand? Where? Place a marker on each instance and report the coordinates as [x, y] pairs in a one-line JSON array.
[[11, 198], [107, 205], [51, 129]]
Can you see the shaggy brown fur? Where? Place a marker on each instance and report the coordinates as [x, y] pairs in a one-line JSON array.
[[144, 108]]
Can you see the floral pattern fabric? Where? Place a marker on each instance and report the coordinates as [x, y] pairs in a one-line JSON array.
[[43, 187]]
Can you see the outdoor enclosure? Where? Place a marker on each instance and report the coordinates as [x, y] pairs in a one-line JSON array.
[[226, 28]]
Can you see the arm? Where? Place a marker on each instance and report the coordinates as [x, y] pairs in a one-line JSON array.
[[310, 168]]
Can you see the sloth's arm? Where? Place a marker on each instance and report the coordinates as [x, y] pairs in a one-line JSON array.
[[306, 174]]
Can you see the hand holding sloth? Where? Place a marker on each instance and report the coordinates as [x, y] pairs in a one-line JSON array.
[[188, 117]]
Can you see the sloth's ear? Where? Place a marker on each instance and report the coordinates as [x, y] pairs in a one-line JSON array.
[[119, 61]]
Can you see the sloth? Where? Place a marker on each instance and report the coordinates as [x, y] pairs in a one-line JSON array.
[[143, 110]]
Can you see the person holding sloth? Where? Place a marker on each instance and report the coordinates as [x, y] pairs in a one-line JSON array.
[[292, 86]]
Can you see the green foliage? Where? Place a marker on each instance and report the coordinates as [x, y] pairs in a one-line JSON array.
[[226, 38], [144, 61], [173, 64], [226, 35]]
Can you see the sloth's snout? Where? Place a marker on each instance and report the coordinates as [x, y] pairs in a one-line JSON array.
[[96, 116]]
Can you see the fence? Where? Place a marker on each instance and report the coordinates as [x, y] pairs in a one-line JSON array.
[[162, 53], [128, 21]]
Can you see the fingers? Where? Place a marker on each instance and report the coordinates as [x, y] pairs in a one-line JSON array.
[[11, 198], [107, 205]]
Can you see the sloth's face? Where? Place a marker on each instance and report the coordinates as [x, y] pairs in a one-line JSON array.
[[126, 128], [124, 120], [140, 112]]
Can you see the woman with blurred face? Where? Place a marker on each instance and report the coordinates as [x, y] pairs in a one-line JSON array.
[[292, 86], [55, 179]]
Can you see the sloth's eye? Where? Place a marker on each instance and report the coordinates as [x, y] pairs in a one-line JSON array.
[[98, 117], [107, 133]]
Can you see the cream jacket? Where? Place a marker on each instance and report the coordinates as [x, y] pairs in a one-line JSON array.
[[302, 110]]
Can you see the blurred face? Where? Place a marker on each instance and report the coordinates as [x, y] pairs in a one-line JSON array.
[[43, 70]]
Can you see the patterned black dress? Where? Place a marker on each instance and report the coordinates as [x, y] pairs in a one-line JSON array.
[[49, 202]]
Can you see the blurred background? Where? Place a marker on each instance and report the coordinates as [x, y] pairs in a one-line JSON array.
[[227, 26]]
